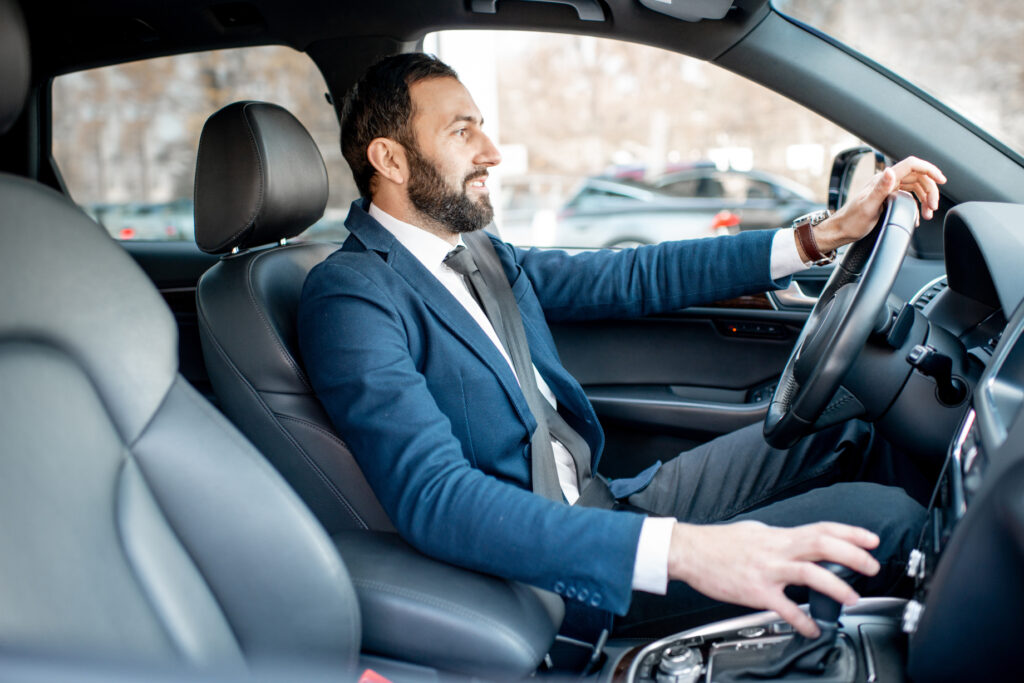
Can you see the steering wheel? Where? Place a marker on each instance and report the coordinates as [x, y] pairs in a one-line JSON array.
[[845, 314]]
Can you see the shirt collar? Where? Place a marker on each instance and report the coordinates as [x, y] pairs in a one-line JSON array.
[[429, 249]]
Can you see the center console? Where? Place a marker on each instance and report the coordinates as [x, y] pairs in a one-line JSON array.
[[963, 621]]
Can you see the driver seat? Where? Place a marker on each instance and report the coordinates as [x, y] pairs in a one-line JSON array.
[[260, 180]]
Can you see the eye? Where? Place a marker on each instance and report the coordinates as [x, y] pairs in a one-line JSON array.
[[461, 132]]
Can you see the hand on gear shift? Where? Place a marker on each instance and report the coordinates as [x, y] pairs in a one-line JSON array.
[[802, 654]]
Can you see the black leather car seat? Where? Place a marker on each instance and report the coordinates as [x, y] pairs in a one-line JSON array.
[[260, 180], [137, 522]]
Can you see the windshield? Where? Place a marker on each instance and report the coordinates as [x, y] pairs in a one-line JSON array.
[[969, 55]]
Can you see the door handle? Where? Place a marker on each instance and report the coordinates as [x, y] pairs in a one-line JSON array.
[[588, 10], [794, 296]]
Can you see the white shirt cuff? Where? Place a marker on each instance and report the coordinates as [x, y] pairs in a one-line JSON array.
[[650, 571], [785, 259]]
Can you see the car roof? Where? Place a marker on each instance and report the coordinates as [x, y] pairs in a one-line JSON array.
[[68, 35]]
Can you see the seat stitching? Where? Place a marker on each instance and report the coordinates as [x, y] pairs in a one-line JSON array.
[[251, 291], [308, 523], [259, 399], [327, 480], [313, 425]]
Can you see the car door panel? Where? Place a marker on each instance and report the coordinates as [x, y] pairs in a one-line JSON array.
[[666, 383]]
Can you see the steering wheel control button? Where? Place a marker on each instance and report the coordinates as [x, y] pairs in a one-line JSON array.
[[559, 587], [595, 600], [900, 327], [570, 592]]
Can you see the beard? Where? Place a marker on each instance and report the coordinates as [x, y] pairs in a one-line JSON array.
[[450, 208]]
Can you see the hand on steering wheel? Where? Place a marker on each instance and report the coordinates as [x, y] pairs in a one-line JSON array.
[[838, 327]]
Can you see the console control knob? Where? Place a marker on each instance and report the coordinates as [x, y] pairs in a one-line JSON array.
[[679, 664]]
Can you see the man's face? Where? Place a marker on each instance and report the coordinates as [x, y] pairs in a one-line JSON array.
[[448, 162]]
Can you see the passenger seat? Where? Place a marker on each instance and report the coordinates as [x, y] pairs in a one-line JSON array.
[[138, 524]]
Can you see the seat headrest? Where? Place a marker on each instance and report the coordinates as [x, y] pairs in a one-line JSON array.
[[14, 63], [259, 178]]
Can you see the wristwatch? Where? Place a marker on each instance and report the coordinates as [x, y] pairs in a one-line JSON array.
[[803, 226]]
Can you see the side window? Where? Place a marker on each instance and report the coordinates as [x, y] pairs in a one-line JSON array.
[[635, 144], [125, 137]]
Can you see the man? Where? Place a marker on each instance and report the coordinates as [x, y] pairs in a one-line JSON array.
[[422, 386]]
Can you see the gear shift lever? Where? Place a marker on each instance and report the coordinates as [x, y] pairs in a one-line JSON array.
[[804, 655], [824, 609]]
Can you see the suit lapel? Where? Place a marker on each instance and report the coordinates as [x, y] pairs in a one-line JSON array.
[[440, 301]]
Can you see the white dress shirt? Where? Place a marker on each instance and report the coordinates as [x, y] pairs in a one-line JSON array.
[[650, 570]]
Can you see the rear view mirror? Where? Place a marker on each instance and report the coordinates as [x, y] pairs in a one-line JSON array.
[[851, 170]]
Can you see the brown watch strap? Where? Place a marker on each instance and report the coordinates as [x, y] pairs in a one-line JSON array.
[[807, 243]]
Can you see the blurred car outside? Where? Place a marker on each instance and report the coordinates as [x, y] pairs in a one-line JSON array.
[[621, 209], [175, 221], [525, 206], [162, 221]]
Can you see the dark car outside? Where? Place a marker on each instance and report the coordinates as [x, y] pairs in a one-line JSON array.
[[624, 210]]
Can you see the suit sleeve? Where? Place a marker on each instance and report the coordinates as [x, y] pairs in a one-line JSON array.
[[357, 350], [652, 279]]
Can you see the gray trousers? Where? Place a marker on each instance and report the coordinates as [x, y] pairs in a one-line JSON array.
[[842, 474]]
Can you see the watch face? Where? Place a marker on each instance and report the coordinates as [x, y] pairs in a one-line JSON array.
[[812, 218]]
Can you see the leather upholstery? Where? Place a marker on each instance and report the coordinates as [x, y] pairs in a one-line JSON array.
[[246, 305], [248, 301], [139, 523], [14, 63], [259, 178], [129, 503], [415, 608], [433, 612]]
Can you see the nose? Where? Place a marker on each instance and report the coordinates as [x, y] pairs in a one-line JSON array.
[[488, 154]]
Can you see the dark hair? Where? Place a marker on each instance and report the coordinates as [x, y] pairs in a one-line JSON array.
[[378, 106]]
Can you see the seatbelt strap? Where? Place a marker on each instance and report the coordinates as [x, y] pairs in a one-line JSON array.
[[593, 490]]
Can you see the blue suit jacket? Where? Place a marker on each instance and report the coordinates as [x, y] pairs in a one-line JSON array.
[[434, 414]]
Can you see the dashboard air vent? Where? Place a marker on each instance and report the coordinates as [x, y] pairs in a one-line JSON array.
[[929, 292]]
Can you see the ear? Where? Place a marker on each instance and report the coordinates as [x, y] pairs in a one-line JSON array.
[[388, 158]]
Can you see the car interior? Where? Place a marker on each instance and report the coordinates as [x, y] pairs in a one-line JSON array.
[[178, 506]]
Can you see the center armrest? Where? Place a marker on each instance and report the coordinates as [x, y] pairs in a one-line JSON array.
[[421, 610]]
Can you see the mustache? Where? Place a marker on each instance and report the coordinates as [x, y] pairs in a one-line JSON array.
[[475, 174]]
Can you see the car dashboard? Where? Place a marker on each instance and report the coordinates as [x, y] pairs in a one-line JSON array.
[[961, 622]]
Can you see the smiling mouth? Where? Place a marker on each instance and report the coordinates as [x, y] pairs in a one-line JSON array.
[[478, 183]]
